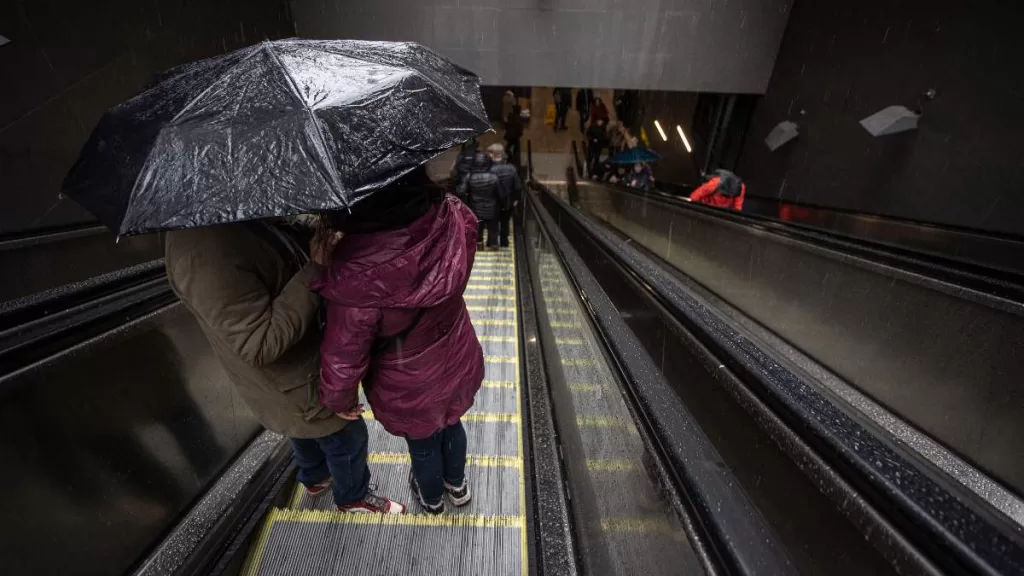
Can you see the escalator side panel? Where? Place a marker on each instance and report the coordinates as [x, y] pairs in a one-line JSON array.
[[108, 444], [898, 339], [817, 536]]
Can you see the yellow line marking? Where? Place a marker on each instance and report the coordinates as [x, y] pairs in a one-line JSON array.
[[501, 359], [577, 362], [470, 417], [597, 421], [505, 339], [491, 308], [252, 563], [439, 521], [482, 460], [610, 465], [569, 341], [565, 324], [488, 322], [524, 561], [488, 297], [297, 496], [498, 384], [642, 525], [500, 289], [481, 278]]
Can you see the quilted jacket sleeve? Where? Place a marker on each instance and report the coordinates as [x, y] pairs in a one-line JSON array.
[[345, 354]]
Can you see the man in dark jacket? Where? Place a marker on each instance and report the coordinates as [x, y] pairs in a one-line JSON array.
[[480, 191], [563, 100], [513, 134], [246, 286], [597, 141], [510, 188], [463, 162]]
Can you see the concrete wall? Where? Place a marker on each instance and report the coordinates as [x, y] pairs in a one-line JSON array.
[[695, 45], [68, 61], [843, 62]]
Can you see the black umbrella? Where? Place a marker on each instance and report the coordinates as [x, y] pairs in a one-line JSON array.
[[279, 128]]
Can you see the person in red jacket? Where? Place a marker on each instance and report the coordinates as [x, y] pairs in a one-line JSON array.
[[598, 111], [723, 190], [397, 322]]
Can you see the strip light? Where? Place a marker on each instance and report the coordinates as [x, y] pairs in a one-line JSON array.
[[660, 131], [683, 136]]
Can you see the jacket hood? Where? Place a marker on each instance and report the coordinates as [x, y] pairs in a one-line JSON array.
[[417, 266]]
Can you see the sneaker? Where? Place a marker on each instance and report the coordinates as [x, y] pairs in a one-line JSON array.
[[428, 508], [318, 488], [373, 504], [460, 495]]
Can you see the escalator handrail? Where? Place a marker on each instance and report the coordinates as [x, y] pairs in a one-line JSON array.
[[984, 280], [936, 515], [729, 534]]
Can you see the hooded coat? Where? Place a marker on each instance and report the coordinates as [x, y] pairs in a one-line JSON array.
[[375, 288]]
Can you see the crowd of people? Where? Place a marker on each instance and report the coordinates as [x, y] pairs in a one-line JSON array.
[[375, 303], [490, 185]]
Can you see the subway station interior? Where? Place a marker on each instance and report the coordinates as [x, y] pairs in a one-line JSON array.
[[823, 374]]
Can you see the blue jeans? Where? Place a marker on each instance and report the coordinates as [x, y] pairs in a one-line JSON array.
[[438, 459], [341, 457]]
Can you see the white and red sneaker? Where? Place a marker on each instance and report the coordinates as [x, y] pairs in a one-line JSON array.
[[373, 504], [318, 488]]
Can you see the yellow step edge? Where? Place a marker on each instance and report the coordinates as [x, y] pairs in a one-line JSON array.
[[565, 324], [489, 322], [487, 297], [499, 384], [569, 341], [475, 308], [501, 359], [505, 339], [475, 278], [610, 465], [480, 460], [471, 417], [277, 515]]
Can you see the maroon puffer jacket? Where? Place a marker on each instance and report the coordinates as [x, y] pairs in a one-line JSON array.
[[374, 288]]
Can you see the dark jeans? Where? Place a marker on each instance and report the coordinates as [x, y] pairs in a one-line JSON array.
[[584, 116], [504, 223], [512, 150], [594, 162], [492, 232], [340, 456], [438, 459], [561, 116]]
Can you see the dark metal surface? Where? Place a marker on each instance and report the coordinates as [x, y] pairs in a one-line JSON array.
[[814, 532], [898, 337], [999, 251], [109, 443], [43, 261], [940, 517], [552, 546]]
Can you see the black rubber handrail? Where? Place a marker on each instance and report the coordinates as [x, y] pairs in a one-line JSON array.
[[932, 513], [726, 530], [983, 279], [36, 327]]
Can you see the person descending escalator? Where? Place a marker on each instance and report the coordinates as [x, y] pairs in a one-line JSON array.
[[597, 141], [510, 189], [584, 96], [723, 190], [513, 135], [397, 322], [463, 162], [480, 190], [245, 283]]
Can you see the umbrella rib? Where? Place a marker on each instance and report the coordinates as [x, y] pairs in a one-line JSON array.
[[322, 142], [210, 87]]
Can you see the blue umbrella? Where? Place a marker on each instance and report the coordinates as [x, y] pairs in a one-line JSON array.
[[635, 156]]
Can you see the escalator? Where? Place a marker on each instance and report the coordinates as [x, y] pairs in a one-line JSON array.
[[639, 415]]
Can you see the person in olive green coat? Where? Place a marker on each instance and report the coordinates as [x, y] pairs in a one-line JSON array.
[[246, 285]]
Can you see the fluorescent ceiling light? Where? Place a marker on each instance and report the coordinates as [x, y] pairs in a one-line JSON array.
[[660, 131], [683, 136]]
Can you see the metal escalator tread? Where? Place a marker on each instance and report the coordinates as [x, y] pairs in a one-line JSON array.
[[487, 536]]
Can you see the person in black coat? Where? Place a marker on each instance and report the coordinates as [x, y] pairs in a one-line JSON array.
[[510, 189], [480, 190], [463, 162], [597, 141]]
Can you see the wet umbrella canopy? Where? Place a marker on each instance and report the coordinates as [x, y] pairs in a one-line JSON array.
[[274, 129], [635, 156]]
